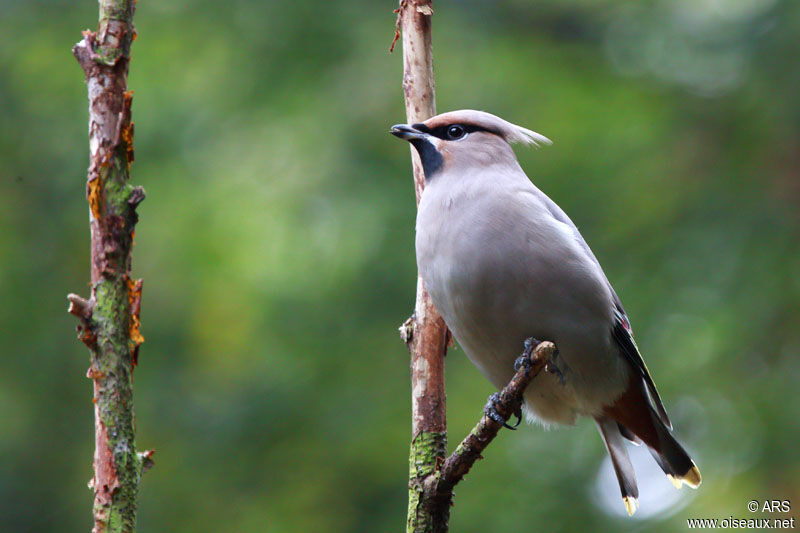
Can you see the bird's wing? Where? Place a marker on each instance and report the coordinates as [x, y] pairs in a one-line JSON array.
[[623, 335], [622, 331]]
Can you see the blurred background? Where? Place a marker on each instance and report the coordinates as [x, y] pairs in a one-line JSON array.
[[276, 247]]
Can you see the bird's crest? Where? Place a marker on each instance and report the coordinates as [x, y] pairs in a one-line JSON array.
[[481, 119]]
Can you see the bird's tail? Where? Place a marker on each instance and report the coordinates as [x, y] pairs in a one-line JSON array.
[[615, 444], [633, 416], [673, 459]]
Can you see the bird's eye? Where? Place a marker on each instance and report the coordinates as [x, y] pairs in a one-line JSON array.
[[455, 132]]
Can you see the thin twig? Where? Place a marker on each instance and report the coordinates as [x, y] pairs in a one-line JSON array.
[[437, 486], [510, 400]]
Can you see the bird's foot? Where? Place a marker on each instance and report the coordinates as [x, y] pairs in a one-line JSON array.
[[524, 360], [491, 411]]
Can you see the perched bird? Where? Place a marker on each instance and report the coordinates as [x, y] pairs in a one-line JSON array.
[[502, 262]]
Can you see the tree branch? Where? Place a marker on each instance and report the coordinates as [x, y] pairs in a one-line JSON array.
[[533, 360], [110, 318], [425, 332], [431, 476], [437, 486]]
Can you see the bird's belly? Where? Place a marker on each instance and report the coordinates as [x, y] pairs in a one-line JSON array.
[[495, 297]]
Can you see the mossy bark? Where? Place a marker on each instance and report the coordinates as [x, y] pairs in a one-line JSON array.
[[110, 318], [428, 451]]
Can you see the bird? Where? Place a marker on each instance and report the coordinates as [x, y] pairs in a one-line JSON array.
[[503, 262]]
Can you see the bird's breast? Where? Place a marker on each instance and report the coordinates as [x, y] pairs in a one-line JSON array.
[[500, 269]]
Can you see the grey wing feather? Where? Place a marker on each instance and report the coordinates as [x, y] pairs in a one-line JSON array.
[[622, 332]]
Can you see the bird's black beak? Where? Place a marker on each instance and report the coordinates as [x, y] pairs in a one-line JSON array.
[[404, 131]]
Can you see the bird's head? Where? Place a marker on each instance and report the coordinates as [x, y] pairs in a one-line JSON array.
[[464, 140]]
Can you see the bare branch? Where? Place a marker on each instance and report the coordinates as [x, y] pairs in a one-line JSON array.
[[431, 475], [459, 463], [425, 332]]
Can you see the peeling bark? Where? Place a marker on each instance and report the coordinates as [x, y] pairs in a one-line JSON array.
[[110, 317]]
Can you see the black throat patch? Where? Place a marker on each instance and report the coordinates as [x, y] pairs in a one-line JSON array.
[[432, 160]]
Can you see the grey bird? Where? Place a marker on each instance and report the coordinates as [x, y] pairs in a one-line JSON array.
[[502, 263]]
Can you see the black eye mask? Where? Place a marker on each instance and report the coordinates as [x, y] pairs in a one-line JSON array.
[[440, 132]]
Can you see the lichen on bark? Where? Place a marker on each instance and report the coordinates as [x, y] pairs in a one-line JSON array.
[[110, 318]]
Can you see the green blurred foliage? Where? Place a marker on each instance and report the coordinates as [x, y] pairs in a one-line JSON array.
[[276, 245]]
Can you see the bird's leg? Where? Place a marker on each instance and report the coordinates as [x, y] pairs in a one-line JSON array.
[[490, 411]]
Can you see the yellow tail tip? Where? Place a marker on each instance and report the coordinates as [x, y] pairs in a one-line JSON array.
[[631, 504], [693, 477]]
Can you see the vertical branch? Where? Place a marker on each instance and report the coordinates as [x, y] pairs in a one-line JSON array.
[[110, 318], [425, 332], [414, 18]]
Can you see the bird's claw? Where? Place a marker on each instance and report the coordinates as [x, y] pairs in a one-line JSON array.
[[552, 368], [522, 360], [490, 411]]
